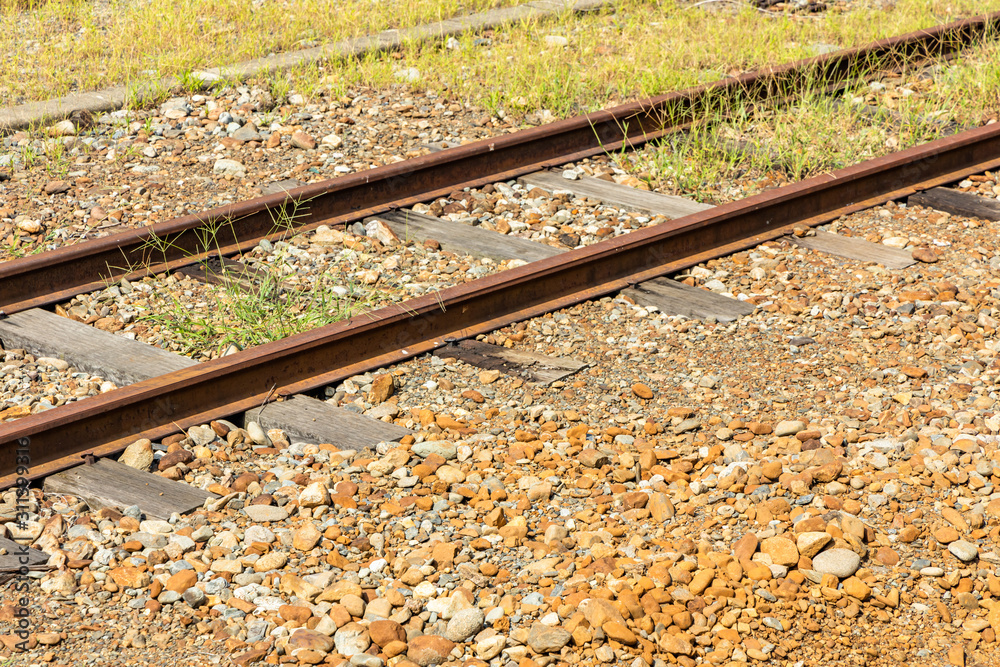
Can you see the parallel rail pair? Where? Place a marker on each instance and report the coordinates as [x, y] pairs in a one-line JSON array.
[[105, 425]]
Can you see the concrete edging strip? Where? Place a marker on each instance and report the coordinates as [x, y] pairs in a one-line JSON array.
[[35, 114]]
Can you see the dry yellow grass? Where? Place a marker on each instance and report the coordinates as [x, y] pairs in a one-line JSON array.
[[644, 48], [58, 46]]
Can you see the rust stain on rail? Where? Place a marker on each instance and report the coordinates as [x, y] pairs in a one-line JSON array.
[[106, 424]]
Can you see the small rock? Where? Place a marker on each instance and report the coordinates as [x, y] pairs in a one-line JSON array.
[[745, 547], [270, 561], [642, 391], [786, 428], [599, 611], [195, 597], [619, 633], [138, 455], [48, 638], [332, 141], [384, 632], [857, 588], [246, 133], [258, 435], [963, 550], [925, 255], [382, 389], [543, 639], [306, 537], [302, 140], [352, 639], [676, 645], [64, 128], [811, 543], [490, 647], [429, 650], [946, 534], [29, 226], [410, 74], [442, 448], [130, 577], [262, 513], [841, 563], [592, 458], [182, 581], [228, 167], [781, 550], [303, 638], [56, 187], [314, 495], [464, 625]]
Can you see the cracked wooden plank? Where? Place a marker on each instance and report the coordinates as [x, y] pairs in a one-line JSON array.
[[463, 239], [859, 249], [529, 366], [957, 203], [614, 194], [307, 419], [676, 298], [108, 483]]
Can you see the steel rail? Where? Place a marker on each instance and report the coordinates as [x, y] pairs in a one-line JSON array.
[[63, 273], [106, 424]]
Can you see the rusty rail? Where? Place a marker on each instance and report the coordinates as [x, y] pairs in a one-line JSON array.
[[58, 275], [106, 424]]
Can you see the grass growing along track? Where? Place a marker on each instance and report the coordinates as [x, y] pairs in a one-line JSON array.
[[55, 47]]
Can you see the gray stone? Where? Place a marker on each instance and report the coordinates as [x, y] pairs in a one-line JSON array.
[[229, 167], [257, 434], [168, 597], [688, 425], [201, 435], [150, 540], [261, 513], [352, 639], [786, 428], [464, 624], [246, 133], [841, 563], [258, 534], [202, 534], [442, 448], [963, 550], [543, 639], [195, 597]]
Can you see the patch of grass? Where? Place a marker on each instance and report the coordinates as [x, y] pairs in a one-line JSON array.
[[643, 48], [965, 90], [245, 309], [744, 152], [52, 48], [244, 316], [756, 147]]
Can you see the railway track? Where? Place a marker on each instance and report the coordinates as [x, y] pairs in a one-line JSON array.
[[159, 406], [788, 486]]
